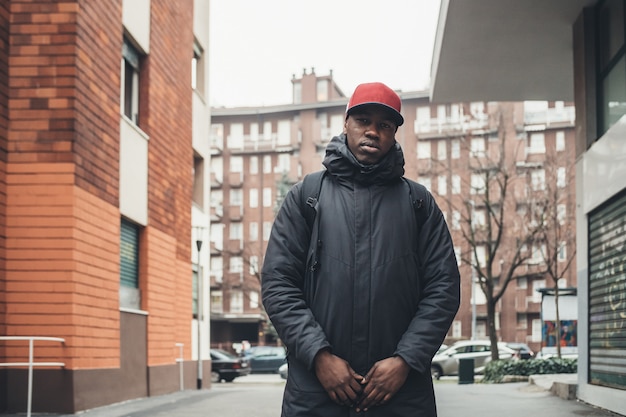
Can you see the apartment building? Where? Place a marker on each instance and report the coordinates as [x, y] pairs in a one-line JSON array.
[[562, 50], [104, 144], [258, 153]]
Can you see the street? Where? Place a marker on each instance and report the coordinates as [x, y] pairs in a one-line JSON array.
[[261, 396]]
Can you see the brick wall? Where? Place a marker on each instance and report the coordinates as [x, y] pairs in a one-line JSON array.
[[62, 268], [4, 92], [167, 114]]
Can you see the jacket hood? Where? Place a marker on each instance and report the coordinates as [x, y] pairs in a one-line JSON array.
[[340, 161]]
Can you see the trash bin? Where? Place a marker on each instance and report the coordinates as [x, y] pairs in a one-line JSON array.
[[466, 371]]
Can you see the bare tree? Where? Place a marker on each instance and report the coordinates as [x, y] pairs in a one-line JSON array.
[[557, 235], [497, 229]]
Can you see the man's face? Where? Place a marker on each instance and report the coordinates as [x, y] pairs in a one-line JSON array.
[[371, 133]]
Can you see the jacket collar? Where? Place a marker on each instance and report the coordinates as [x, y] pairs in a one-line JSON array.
[[340, 161]]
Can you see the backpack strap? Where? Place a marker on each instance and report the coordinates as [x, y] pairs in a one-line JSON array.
[[417, 195], [311, 187]]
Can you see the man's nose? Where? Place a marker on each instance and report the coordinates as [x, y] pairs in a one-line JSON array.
[[372, 129]]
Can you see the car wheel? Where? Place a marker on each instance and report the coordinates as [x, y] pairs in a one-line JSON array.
[[435, 372], [215, 376]]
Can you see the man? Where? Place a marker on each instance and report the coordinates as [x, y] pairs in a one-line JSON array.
[[363, 298]]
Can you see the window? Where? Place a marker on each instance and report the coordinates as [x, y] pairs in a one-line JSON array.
[[479, 296], [236, 164], [197, 69], [254, 133], [217, 236], [422, 121], [254, 197], [456, 184], [129, 265], [267, 197], [425, 181], [477, 147], [254, 265], [522, 321], [455, 149], [217, 301], [478, 184], [267, 164], [537, 143], [284, 163], [284, 133], [235, 139], [254, 299], [561, 213], [235, 231], [561, 177], [480, 256], [236, 198], [442, 185], [217, 268], [267, 131], [423, 150], [322, 90], [267, 230], [536, 331], [611, 64], [297, 92], [538, 254], [131, 62], [254, 231], [236, 301], [478, 219], [562, 255], [456, 329], [456, 220], [560, 141], [236, 264], [477, 109], [441, 114], [442, 150], [538, 179], [537, 285], [254, 165]]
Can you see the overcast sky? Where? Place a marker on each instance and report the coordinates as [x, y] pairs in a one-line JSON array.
[[257, 45]]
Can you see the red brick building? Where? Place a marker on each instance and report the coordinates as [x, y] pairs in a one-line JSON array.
[[259, 152], [101, 182]]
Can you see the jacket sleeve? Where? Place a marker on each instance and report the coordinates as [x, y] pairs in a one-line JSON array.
[[282, 282], [440, 287]]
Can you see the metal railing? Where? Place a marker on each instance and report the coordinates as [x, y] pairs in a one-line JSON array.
[[31, 363]]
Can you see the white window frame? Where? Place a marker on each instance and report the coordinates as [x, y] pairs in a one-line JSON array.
[[423, 150], [253, 195]]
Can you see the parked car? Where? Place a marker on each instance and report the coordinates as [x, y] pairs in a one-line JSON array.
[[284, 370], [266, 359], [226, 366], [446, 362], [522, 350]]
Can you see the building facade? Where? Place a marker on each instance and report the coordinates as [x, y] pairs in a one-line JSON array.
[[567, 50], [258, 153], [104, 139]]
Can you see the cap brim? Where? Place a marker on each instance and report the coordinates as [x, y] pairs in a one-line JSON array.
[[397, 117]]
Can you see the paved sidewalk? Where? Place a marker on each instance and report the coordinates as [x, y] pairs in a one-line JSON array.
[[518, 399]]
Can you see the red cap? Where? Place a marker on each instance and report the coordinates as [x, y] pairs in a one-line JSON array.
[[376, 93]]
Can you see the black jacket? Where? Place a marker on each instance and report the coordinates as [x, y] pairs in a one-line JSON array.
[[380, 289]]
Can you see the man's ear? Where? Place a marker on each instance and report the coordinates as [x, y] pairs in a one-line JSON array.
[[345, 126]]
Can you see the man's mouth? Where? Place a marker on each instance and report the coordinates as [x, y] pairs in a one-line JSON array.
[[370, 146]]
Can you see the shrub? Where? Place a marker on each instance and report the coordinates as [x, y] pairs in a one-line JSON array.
[[496, 370]]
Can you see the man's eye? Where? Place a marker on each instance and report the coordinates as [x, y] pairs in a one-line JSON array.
[[363, 120], [385, 126]]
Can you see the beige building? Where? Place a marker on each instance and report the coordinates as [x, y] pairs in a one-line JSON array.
[[257, 153]]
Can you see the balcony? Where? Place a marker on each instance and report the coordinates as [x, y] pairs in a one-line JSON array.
[[216, 248], [217, 212], [235, 213], [553, 117], [216, 180], [436, 127], [235, 179], [217, 144]]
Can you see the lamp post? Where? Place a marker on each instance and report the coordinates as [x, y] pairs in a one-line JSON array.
[[473, 303], [200, 301]]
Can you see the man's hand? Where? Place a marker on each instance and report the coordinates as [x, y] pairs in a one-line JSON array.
[[382, 382], [340, 381]]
